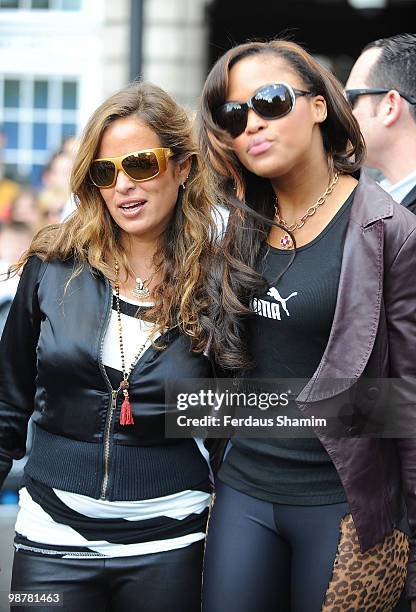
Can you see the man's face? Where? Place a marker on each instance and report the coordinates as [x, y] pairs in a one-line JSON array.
[[366, 107]]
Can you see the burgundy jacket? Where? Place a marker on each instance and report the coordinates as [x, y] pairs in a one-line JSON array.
[[373, 335]]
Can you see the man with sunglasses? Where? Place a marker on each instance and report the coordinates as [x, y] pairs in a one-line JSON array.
[[381, 90]]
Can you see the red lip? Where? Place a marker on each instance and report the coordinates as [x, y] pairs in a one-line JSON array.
[[258, 145]]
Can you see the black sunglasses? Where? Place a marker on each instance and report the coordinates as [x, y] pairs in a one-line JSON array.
[[269, 101], [353, 94]]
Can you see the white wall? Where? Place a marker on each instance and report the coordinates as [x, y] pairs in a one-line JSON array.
[[174, 47]]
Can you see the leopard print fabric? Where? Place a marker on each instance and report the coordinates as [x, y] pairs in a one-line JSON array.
[[370, 581]]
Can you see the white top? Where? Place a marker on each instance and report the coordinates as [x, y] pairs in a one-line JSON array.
[[39, 528], [399, 191], [135, 333]]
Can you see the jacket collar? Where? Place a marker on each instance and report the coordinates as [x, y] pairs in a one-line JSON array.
[[371, 202], [359, 298]]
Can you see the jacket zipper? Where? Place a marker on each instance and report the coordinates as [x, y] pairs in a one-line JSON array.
[[107, 436], [112, 403], [113, 399]]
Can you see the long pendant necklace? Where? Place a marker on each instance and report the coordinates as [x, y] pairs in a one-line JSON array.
[[286, 241], [126, 414]]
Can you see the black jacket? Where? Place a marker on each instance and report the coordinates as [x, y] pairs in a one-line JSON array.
[[50, 365]]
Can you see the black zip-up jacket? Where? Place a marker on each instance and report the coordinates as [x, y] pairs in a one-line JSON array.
[[51, 368]]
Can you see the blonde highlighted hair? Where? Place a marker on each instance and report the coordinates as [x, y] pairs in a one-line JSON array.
[[92, 238]]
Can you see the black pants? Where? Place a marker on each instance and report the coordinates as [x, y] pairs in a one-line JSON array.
[[265, 557], [159, 582]]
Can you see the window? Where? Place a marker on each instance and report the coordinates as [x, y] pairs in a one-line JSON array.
[[68, 129], [40, 94], [40, 4], [11, 129], [36, 115], [39, 140], [69, 95], [9, 4], [11, 93], [36, 174], [71, 5], [54, 5]]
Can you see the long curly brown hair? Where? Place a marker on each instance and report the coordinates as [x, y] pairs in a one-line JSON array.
[[92, 238], [250, 198]]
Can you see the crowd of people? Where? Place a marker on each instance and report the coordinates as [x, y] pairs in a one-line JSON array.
[[25, 209], [312, 281]]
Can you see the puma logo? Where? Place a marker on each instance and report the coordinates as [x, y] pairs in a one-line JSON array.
[[273, 292], [271, 310]]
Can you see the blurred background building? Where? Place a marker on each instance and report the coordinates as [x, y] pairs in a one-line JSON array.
[[59, 59]]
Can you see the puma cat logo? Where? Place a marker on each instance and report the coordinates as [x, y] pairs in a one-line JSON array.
[[271, 310]]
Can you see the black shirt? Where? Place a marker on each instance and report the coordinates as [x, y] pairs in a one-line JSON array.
[[287, 337]]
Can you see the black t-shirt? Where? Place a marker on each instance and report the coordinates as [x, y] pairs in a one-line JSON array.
[[287, 337]]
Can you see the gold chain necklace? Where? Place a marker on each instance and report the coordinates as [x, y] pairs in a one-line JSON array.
[[286, 241], [126, 414]]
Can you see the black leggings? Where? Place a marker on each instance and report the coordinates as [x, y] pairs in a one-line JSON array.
[[265, 557], [159, 582]]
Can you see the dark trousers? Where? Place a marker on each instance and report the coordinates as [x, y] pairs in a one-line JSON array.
[[265, 557], [160, 582]]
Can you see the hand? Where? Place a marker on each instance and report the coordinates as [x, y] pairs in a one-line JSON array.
[[413, 605]]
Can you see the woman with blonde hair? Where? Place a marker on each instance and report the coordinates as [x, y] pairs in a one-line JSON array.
[[109, 306], [316, 285]]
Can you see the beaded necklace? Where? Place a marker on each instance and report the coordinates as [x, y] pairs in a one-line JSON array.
[[126, 414]]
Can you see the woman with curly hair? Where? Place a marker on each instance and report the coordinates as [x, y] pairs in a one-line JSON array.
[[109, 306], [314, 286]]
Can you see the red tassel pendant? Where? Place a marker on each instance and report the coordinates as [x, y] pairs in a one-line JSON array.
[[126, 415]]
